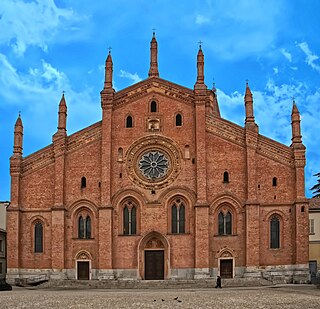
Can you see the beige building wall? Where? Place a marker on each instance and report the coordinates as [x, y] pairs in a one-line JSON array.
[[3, 264], [314, 236], [3, 216]]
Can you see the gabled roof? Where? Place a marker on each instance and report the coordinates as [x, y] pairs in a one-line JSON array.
[[153, 84]]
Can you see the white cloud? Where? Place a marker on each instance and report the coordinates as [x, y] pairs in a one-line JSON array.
[[32, 23], [133, 77], [287, 55], [200, 19], [275, 70], [37, 93], [311, 58]]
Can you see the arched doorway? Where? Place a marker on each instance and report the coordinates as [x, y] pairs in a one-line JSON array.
[[154, 257], [83, 265], [226, 264]]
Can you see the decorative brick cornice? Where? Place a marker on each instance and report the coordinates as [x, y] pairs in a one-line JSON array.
[[225, 129], [84, 137], [153, 85], [275, 150], [236, 134], [38, 159], [47, 155]]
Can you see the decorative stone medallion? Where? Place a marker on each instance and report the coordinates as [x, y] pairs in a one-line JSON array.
[[153, 162]]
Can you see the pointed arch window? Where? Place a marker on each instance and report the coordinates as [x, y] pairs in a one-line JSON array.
[[129, 218], [178, 217], [274, 233], [84, 227], [225, 177], [38, 237], [153, 107], [225, 223], [129, 122], [178, 120]]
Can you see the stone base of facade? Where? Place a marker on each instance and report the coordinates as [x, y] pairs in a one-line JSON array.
[[286, 273], [275, 274]]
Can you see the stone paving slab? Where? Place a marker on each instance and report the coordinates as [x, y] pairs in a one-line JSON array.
[[306, 296]]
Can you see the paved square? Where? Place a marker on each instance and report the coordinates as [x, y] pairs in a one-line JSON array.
[[306, 296]]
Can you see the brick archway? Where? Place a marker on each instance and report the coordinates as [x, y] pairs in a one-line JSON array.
[[153, 241]]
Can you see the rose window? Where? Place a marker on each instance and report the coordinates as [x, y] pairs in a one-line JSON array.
[[154, 164]]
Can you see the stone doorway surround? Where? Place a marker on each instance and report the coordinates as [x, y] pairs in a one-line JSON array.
[[153, 241], [83, 256]]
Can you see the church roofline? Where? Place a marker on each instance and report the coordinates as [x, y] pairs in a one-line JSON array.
[[152, 79], [178, 92], [44, 156]]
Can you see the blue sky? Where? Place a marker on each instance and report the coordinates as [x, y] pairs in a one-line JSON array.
[[48, 46]]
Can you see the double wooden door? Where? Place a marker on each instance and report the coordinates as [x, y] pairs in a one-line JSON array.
[[226, 268], [154, 264], [83, 270]]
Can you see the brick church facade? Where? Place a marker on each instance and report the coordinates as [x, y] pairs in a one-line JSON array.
[[161, 188]]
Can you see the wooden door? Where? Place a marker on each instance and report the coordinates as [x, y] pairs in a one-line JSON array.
[[226, 268], [83, 270], [154, 264]]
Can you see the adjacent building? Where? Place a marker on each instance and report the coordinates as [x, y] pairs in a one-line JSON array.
[[314, 237], [3, 246], [162, 187]]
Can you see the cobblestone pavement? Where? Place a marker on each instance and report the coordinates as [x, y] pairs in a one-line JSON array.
[[294, 296]]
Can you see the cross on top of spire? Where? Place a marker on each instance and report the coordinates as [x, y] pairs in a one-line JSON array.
[[109, 48], [200, 44]]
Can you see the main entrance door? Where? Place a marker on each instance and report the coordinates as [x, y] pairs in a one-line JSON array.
[[226, 268], [154, 264], [83, 270]]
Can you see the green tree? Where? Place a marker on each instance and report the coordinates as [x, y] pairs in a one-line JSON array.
[[316, 187]]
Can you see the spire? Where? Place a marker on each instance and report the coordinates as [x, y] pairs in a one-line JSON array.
[[200, 65], [18, 133], [108, 71], [295, 124], [248, 101], [62, 118], [153, 72]]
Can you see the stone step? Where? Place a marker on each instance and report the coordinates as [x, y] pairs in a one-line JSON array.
[[150, 284]]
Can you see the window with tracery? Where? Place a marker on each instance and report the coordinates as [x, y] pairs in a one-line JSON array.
[[84, 226], [178, 217], [38, 237], [225, 223], [129, 218], [274, 232]]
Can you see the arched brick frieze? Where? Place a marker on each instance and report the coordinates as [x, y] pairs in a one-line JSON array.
[[42, 244], [83, 215], [266, 230], [225, 205], [35, 218], [179, 197], [122, 194], [153, 241], [130, 198]]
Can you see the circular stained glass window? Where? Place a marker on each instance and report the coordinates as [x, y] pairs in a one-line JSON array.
[[154, 164]]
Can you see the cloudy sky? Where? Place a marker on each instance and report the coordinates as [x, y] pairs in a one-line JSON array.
[[50, 46]]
